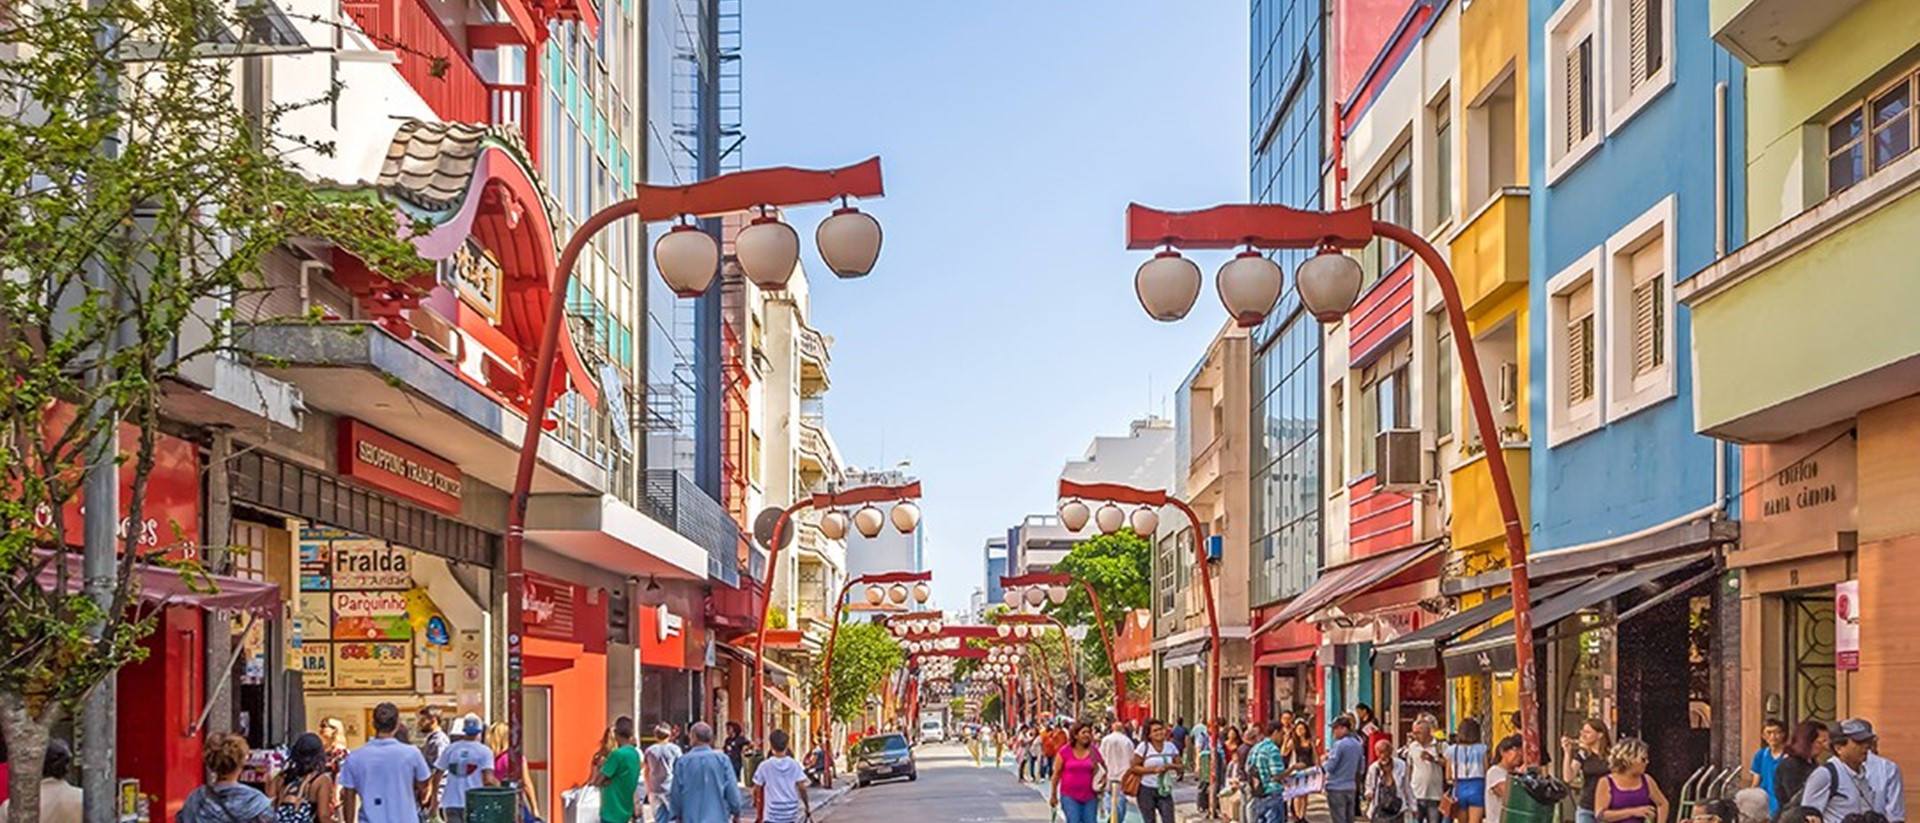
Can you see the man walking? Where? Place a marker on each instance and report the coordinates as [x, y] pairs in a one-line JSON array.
[[1345, 757], [1116, 751], [433, 742], [1266, 776], [619, 777], [659, 766], [384, 781], [1855, 781], [703, 789], [467, 764], [1773, 749], [1426, 776]]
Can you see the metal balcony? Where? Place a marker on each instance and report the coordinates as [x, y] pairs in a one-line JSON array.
[[815, 356]]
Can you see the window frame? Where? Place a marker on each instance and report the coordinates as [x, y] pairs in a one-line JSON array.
[[1395, 167], [1871, 163], [1567, 419], [1445, 171], [1446, 379], [1626, 393], [1623, 101], [1573, 21]]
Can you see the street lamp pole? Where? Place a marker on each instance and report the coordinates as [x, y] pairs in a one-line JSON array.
[[1051, 579], [833, 633], [1038, 623], [727, 193], [1130, 495], [1329, 284]]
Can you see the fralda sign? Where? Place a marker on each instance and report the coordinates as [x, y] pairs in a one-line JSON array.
[[382, 461]]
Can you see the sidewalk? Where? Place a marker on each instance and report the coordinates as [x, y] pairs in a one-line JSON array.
[[1186, 795]]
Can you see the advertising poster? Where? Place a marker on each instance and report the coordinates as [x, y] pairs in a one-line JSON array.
[[316, 556], [313, 612], [376, 666], [1846, 626], [316, 664], [371, 564], [371, 615]]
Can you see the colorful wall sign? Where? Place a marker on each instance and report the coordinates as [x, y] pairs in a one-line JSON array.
[[662, 637], [316, 664], [170, 511], [372, 565], [374, 458], [364, 615], [1846, 626], [549, 606], [373, 666]]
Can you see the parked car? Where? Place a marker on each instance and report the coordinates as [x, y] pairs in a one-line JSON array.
[[883, 757]]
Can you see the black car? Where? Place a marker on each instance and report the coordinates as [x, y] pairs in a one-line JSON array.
[[883, 757]]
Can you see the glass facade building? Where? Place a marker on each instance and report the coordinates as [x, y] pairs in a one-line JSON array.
[[1287, 99]]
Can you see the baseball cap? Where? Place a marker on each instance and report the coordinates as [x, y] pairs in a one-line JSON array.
[[472, 726], [1853, 728]]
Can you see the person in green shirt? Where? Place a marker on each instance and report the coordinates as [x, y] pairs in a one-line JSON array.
[[619, 776]]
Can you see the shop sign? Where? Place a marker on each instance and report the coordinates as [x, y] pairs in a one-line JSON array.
[[661, 637], [1803, 494], [316, 556], [1846, 626], [373, 666], [476, 275], [548, 607], [371, 616], [170, 511], [371, 564], [316, 664], [313, 616], [374, 458]]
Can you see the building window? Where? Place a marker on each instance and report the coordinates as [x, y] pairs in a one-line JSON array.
[[1638, 314], [1385, 402], [1337, 437], [1873, 133], [1639, 38], [1442, 161], [1443, 377], [1573, 350], [753, 458], [1493, 141], [1573, 88], [1391, 193]]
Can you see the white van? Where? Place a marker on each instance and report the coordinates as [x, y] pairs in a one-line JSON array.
[[932, 730]]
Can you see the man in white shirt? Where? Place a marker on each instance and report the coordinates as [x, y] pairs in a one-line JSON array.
[[658, 762], [1426, 775], [467, 764], [60, 801], [1116, 752], [1855, 780]]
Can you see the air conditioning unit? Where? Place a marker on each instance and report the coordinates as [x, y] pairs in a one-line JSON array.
[[1509, 386], [1401, 453], [1216, 548]]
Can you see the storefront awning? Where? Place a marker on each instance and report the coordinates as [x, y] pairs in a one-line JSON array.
[[1338, 583], [158, 586], [1184, 655], [1288, 657], [1421, 649], [1492, 650], [775, 672], [782, 698]]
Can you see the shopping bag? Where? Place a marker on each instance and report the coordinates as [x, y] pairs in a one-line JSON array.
[[583, 804]]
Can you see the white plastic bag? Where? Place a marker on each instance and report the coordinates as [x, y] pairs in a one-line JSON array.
[[583, 804]]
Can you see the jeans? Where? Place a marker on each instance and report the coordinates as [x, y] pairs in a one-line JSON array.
[[1340, 804], [1078, 811], [1584, 816], [1428, 811], [662, 814], [1116, 803], [1046, 767], [1153, 803], [1270, 809]]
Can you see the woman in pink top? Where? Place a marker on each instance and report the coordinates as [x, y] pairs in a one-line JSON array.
[[1076, 770]]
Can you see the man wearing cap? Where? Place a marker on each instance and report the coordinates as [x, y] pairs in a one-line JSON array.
[[468, 764], [1856, 780]]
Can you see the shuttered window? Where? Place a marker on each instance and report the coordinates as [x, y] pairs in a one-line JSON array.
[[1646, 51], [1578, 102], [1579, 345], [1649, 309]]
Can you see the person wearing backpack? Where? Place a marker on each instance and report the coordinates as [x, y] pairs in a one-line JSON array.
[[1386, 781], [303, 792], [1266, 772], [1851, 782]]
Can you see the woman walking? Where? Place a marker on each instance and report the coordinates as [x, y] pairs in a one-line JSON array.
[[304, 792], [1585, 765], [1303, 754], [226, 800], [1628, 794], [1807, 747], [1467, 771], [1153, 759], [503, 767], [1076, 768]]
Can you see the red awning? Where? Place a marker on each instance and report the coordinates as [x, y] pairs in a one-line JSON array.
[[1337, 583], [782, 698], [1289, 657], [161, 586]]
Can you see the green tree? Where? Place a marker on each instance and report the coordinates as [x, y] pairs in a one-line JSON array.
[[142, 197], [1120, 567], [864, 655]]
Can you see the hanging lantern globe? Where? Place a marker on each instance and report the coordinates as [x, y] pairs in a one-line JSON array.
[[1145, 521], [687, 258], [868, 521], [1249, 286], [1109, 519], [905, 516], [833, 524], [1057, 594], [1012, 596], [849, 242], [1035, 595], [768, 250], [1329, 285], [1020, 630], [1167, 285], [897, 594], [1005, 629], [921, 592], [875, 595], [1074, 514]]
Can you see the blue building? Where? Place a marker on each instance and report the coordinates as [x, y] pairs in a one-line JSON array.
[[1634, 112], [1287, 147], [996, 562]]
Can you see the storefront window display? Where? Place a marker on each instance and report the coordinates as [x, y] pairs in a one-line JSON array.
[[1583, 666]]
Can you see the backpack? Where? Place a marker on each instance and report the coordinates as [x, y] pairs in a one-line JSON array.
[[1795, 810]]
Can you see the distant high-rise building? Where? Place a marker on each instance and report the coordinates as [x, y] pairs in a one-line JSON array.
[[996, 556]]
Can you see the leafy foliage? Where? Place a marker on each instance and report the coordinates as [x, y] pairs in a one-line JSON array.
[[864, 655], [142, 198], [1120, 567]]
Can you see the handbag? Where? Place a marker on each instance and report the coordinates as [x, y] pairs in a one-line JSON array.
[[1448, 804], [1130, 784]]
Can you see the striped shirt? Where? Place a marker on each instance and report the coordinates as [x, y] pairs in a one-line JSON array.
[[1266, 764], [1469, 760]]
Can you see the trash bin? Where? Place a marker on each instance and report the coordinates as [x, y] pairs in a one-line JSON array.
[[493, 804], [1538, 798]]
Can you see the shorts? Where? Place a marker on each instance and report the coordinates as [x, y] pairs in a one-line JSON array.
[[1471, 793]]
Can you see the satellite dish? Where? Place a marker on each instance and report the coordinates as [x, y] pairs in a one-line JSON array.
[[763, 527]]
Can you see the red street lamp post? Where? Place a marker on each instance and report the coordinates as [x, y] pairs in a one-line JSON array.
[[897, 581], [1074, 514], [1014, 625], [688, 260], [1329, 284], [1056, 582], [905, 517]]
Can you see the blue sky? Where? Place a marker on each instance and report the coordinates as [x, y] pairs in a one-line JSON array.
[[999, 332]]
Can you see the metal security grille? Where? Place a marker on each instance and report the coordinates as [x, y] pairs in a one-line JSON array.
[[271, 483], [674, 500]]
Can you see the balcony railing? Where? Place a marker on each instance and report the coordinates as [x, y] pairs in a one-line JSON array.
[[1205, 468], [432, 62], [815, 453], [674, 500], [814, 359]]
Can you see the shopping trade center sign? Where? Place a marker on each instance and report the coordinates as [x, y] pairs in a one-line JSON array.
[[374, 458]]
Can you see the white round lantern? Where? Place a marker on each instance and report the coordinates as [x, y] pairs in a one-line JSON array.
[[1329, 285], [1021, 630], [1057, 594], [849, 242], [1145, 521], [833, 524], [768, 250], [1167, 285], [1012, 595], [921, 592], [1005, 629], [875, 595], [897, 594], [1249, 286], [1109, 518], [1035, 595], [898, 630], [1074, 514], [688, 260], [868, 521], [905, 516]]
